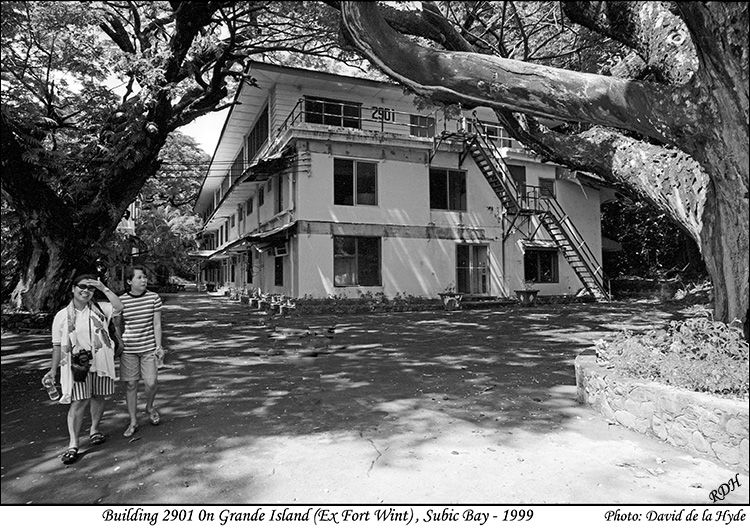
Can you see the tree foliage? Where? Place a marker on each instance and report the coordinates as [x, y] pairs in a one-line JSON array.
[[653, 246], [92, 90]]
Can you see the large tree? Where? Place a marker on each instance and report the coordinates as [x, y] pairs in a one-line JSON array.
[[669, 122], [92, 90]]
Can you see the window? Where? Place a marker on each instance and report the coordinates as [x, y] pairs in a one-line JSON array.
[[518, 172], [447, 189], [356, 261], [240, 212], [547, 187], [540, 266], [249, 205], [422, 126], [333, 112], [279, 197], [355, 183], [500, 137], [261, 197], [278, 272], [237, 167], [258, 135], [231, 221]]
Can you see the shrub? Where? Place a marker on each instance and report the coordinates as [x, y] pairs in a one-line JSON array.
[[367, 302], [696, 354]]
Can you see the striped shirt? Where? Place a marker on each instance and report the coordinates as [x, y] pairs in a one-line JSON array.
[[138, 314]]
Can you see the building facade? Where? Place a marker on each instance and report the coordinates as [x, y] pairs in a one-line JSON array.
[[327, 185]]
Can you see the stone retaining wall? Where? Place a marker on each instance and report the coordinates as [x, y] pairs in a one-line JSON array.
[[700, 424]]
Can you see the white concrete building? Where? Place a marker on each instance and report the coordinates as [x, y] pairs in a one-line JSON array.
[[324, 185]]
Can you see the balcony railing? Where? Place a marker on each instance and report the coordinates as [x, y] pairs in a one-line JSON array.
[[351, 115], [357, 116]]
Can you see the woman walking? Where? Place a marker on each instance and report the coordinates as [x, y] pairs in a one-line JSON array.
[[142, 338], [84, 352]]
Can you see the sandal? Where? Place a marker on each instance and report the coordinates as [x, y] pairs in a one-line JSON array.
[[70, 455], [131, 430], [154, 416], [97, 438]]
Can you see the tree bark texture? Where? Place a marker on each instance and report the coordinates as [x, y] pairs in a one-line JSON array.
[[692, 160]]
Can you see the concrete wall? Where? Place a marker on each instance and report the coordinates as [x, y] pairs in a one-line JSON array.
[[700, 424], [413, 261]]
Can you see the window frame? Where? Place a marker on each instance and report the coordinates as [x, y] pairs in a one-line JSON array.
[[278, 271], [518, 174], [421, 126], [449, 190], [353, 186], [357, 267], [547, 188], [258, 135], [327, 112], [279, 202], [537, 254]]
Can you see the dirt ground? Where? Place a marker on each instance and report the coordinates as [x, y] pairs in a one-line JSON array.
[[466, 407]]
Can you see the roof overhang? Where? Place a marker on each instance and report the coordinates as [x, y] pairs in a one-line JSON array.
[[245, 243], [539, 243], [251, 99]]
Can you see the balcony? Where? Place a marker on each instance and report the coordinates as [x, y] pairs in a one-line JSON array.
[[318, 118]]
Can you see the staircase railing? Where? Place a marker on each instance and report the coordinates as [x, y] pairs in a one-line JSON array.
[[544, 206], [494, 160], [578, 244]]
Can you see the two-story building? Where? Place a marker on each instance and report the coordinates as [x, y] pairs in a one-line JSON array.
[[324, 184]]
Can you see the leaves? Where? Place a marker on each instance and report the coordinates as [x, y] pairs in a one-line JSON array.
[[697, 354], [92, 91]]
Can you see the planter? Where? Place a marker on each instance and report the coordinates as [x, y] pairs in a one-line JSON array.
[[701, 424], [527, 297], [451, 300]]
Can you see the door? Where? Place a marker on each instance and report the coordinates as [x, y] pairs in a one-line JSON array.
[[472, 269]]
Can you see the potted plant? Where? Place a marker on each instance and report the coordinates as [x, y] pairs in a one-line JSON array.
[[527, 295], [451, 299]]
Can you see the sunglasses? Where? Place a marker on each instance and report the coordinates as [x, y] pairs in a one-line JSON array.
[[86, 287]]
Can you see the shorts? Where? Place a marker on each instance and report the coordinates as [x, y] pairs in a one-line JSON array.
[[94, 385], [137, 366]]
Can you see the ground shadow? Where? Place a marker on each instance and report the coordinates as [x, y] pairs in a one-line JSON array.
[[235, 378]]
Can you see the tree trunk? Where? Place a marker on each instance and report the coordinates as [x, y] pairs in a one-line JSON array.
[[64, 235], [46, 278]]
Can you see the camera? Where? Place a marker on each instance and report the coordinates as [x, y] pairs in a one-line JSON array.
[[80, 363]]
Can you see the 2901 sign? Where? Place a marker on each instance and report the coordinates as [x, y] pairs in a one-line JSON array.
[[383, 114]]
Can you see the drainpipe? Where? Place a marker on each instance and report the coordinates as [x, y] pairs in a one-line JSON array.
[[502, 253]]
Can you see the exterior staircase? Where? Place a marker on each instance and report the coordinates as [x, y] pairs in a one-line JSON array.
[[546, 208], [487, 156]]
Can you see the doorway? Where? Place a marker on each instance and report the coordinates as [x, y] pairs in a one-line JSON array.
[[472, 269]]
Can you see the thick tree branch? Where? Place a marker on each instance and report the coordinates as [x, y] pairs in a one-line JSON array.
[[116, 31], [655, 111], [657, 35]]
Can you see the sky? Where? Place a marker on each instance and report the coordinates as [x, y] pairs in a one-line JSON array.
[[206, 130]]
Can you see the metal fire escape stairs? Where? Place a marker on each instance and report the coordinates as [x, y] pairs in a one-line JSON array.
[[544, 207]]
